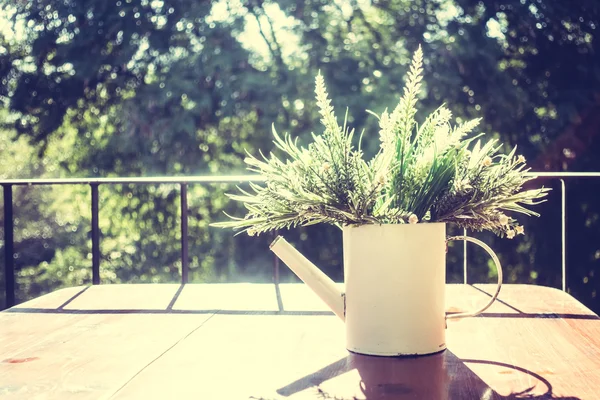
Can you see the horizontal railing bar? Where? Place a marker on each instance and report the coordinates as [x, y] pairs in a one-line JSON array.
[[217, 179], [564, 174], [136, 180]]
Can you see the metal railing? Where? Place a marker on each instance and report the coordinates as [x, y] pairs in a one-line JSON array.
[[94, 183], [183, 182]]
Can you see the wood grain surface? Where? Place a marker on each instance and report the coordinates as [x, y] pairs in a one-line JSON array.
[[232, 341]]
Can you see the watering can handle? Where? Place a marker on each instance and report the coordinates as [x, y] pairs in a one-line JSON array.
[[498, 267]]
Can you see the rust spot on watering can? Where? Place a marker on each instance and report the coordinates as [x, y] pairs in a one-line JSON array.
[[19, 360]]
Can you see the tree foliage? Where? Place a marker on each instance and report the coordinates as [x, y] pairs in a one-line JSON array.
[[175, 87]]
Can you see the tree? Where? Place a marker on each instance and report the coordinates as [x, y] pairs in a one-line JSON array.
[[177, 87]]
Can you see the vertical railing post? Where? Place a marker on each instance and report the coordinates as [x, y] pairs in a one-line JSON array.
[[564, 234], [95, 236], [184, 235], [465, 280], [9, 247]]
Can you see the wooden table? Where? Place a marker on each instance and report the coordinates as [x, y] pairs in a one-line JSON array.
[[230, 341]]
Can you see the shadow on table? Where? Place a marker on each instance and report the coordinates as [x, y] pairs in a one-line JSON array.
[[162, 311], [441, 376]]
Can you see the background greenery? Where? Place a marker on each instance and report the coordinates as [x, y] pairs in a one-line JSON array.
[[180, 87]]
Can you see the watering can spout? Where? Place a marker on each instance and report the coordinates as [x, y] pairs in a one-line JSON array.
[[310, 274]]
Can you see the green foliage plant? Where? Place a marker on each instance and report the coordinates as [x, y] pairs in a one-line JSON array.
[[422, 173]]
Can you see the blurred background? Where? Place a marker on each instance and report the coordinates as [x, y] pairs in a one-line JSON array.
[[106, 88]]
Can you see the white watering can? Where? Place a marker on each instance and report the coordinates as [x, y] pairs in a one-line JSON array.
[[395, 277]]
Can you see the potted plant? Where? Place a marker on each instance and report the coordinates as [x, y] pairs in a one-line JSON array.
[[392, 209]]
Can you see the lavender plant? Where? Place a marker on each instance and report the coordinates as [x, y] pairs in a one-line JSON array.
[[426, 173]]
